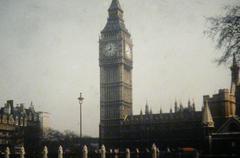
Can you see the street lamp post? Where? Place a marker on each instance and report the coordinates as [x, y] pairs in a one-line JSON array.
[[80, 99]]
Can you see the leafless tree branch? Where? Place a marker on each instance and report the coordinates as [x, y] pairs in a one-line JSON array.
[[225, 30]]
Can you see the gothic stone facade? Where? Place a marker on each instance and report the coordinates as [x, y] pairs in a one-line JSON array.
[[119, 128], [19, 125]]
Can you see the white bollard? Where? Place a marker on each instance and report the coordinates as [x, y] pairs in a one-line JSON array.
[[154, 151], [85, 151], [128, 153], [22, 152], [103, 151], [116, 153], [60, 152], [45, 152], [158, 152], [137, 152], [7, 152]]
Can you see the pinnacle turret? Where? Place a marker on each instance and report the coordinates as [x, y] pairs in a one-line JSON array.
[[189, 103], [147, 108], [193, 105], [235, 74], [207, 119], [234, 60], [181, 107], [175, 106], [31, 106], [160, 110]]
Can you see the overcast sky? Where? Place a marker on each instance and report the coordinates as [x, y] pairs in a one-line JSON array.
[[49, 53]]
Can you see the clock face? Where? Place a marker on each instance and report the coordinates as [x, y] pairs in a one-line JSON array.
[[128, 51], [110, 49]]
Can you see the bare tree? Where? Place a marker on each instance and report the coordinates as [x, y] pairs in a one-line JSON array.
[[225, 30]]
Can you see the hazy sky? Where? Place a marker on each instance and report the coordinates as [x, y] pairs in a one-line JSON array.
[[49, 53]]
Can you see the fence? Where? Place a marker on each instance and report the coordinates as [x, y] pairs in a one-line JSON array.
[[103, 153]]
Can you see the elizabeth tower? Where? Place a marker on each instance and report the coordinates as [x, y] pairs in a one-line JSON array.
[[115, 61]]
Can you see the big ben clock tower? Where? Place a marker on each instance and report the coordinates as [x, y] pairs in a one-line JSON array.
[[115, 61]]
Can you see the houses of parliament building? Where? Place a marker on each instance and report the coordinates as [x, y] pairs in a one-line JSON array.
[[215, 127]]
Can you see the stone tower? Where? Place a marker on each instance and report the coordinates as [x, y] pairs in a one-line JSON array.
[[115, 61], [235, 75], [235, 85]]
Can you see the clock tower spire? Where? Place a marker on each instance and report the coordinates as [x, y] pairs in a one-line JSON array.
[[115, 61], [115, 20], [115, 5]]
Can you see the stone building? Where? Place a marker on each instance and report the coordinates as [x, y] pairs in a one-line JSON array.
[[222, 106], [19, 125], [167, 130], [181, 127]]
